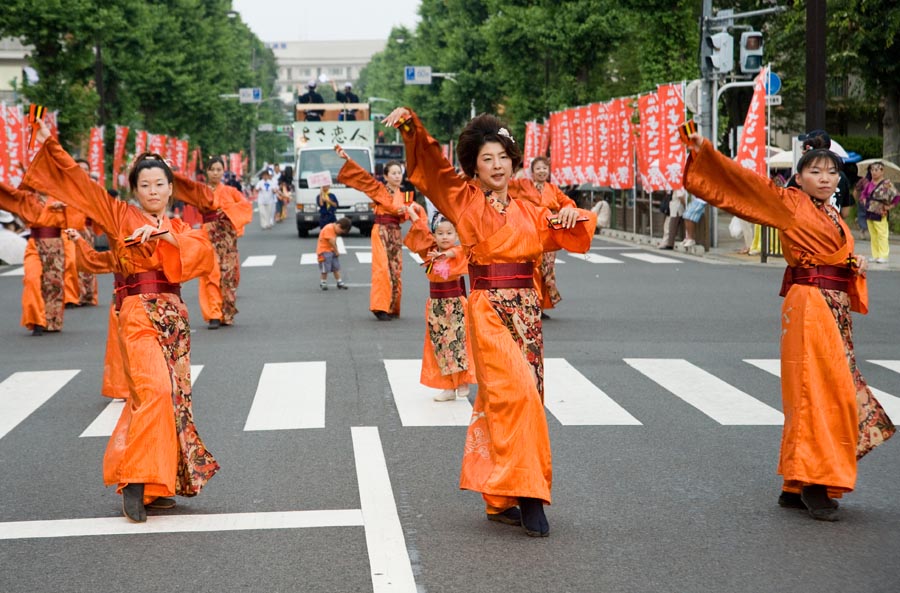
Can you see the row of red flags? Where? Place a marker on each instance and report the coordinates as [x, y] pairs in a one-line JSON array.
[[598, 143]]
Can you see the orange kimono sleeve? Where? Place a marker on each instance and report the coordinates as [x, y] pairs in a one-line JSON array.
[[576, 239], [454, 197], [193, 257], [723, 183], [237, 208], [419, 238], [89, 260], [352, 175], [194, 193], [558, 197], [23, 204], [524, 189], [53, 172]]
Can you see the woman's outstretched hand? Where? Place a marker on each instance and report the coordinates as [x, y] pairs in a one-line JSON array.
[[341, 152], [42, 132], [396, 117], [696, 141], [568, 217]]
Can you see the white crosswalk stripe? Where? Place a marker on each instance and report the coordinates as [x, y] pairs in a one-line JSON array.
[[308, 259], [890, 403], [575, 401], [414, 401], [364, 257], [23, 393], [651, 258], [289, 395], [259, 261], [15, 272], [709, 394], [593, 258]]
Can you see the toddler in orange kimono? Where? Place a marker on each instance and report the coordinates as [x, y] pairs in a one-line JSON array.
[[446, 355]]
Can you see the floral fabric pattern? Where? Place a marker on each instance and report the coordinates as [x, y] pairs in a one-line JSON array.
[[446, 321], [224, 239], [548, 273], [875, 427], [393, 247], [520, 312], [169, 316], [87, 281], [53, 262]]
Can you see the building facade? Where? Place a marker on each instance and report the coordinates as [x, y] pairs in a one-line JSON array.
[[12, 62]]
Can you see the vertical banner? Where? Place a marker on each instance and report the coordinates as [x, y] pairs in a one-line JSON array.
[[532, 145], [588, 145], [650, 147], [156, 143], [118, 153], [622, 149], [15, 143], [567, 175], [602, 152], [751, 152], [171, 149], [553, 146], [673, 154], [194, 162], [180, 159], [545, 139], [576, 134], [96, 156], [234, 160], [52, 119], [4, 155], [140, 142]]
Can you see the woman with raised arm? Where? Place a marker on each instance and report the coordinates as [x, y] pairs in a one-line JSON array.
[[831, 418], [507, 450], [155, 451], [225, 213], [387, 245]]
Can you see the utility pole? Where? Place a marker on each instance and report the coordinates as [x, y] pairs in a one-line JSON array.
[[815, 65]]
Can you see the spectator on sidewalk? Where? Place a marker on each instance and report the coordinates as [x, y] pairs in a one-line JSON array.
[[676, 222]]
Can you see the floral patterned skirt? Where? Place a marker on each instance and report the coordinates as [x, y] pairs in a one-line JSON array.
[[387, 269], [550, 296], [224, 239], [446, 319], [53, 259]]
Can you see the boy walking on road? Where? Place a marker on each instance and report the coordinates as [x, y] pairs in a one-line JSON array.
[[327, 252]]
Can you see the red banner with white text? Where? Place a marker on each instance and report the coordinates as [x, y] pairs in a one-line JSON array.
[[621, 161], [600, 116], [156, 143], [650, 143], [118, 154], [140, 142], [96, 153], [672, 151], [751, 152], [15, 143]]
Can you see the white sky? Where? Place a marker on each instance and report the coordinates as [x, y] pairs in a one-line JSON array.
[[321, 20]]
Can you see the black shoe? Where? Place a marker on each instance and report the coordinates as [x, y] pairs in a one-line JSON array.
[[71, 305], [511, 516], [133, 503], [792, 500], [37, 330], [342, 286], [818, 504], [545, 316], [214, 324], [161, 503], [533, 518], [382, 316]]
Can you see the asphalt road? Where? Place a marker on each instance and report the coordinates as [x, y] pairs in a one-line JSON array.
[[676, 502]]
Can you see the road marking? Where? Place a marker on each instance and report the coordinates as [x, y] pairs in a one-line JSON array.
[[180, 524], [308, 259], [15, 272], [622, 248], [105, 423], [651, 258], [575, 401], [890, 403], [389, 562], [416, 257], [709, 394], [893, 365], [342, 249], [559, 261], [414, 403], [364, 257], [259, 261], [23, 393], [593, 258], [289, 395]]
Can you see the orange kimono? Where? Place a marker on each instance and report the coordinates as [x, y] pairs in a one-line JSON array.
[[446, 352], [831, 418], [45, 260], [155, 442], [81, 287], [115, 379], [507, 450], [225, 213], [551, 197], [387, 249]]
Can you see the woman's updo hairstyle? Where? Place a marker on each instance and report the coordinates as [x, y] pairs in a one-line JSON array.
[[148, 160], [482, 129], [389, 164], [213, 160], [816, 155]]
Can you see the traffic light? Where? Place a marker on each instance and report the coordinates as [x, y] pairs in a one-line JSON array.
[[751, 52], [721, 58]]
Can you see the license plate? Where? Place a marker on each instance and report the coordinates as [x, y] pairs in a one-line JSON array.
[[364, 217], [307, 218]]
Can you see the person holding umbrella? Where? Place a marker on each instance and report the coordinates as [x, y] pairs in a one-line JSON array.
[[880, 197]]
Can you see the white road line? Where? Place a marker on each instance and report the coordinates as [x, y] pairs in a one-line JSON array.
[[359, 247], [890, 403], [289, 395], [342, 249], [388, 557], [180, 524], [414, 403], [893, 365], [104, 424], [559, 261], [593, 258], [709, 394], [621, 248], [415, 257], [364, 257], [308, 259], [15, 272], [575, 401], [651, 258], [23, 393], [259, 261]]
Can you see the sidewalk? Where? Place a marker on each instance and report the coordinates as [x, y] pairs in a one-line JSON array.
[[728, 247]]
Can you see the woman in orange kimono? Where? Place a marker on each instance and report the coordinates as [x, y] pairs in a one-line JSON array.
[[831, 418], [90, 261], [225, 213], [507, 450], [446, 355], [45, 259], [551, 197], [155, 451], [387, 248]]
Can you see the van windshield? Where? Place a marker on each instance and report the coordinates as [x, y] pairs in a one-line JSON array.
[[316, 161]]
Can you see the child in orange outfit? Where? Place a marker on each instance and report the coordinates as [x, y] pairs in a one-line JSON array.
[[327, 252], [446, 355]]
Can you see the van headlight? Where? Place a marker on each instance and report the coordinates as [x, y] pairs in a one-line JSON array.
[[362, 206], [307, 207]]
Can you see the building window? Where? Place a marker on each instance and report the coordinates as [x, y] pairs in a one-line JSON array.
[[336, 72]]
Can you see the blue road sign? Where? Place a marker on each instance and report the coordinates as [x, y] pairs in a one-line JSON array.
[[773, 84], [410, 73]]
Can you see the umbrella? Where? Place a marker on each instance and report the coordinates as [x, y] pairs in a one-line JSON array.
[[12, 247], [838, 150], [782, 160], [891, 171]]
